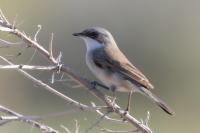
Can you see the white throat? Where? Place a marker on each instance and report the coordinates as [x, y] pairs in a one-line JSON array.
[[92, 44]]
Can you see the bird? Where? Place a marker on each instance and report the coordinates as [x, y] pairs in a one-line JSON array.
[[107, 62]]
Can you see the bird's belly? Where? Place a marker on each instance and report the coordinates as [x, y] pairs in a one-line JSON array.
[[110, 79]]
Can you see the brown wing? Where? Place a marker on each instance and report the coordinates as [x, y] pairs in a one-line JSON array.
[[115, 60]]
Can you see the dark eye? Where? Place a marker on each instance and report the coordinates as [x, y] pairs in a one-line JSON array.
[[93, 34], [90, 33]]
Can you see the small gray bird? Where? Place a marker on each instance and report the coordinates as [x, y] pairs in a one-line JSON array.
[[110, 65]]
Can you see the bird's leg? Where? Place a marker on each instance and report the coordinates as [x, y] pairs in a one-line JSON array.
[[129, 101], [114, 97], [113, 89], [95, 83], [128, 105]]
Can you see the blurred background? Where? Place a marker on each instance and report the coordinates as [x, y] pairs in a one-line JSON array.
[[162, 37]]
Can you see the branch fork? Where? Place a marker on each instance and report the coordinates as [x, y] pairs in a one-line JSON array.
[[5, 26]]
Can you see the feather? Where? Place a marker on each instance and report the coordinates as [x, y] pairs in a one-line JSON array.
[[117, 62]]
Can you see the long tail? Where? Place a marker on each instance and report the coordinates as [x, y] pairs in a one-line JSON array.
[[158, 101]]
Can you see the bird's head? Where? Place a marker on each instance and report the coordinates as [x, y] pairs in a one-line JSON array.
[[96, 37]]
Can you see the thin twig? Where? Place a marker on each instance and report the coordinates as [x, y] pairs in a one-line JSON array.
[[112, 131], [41, 117], [107, 117], [28, 67], [96, 122], [146, 122], [31, 58], [29, 121], [47, 87], [51, 46], [37, 32], [9, 44], [3, 17], [5, 26], [65, 128], [77, 126]]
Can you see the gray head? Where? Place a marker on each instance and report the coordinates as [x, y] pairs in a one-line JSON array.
[[98, 34]]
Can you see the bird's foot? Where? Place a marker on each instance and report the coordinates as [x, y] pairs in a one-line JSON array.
[[93, 85], [125, 113], [127, 109]]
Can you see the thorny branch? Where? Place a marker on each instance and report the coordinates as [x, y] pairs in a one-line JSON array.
[[7, 27]]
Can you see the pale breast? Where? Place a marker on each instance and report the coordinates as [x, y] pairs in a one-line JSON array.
[[98, 72]]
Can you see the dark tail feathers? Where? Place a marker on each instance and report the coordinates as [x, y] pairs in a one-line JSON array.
[[158, 101]]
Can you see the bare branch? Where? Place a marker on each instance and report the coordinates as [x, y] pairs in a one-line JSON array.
[[107, 117], [41, 117], [53, 78], [96, 123], [65, 128], [80, 80], [3, 17], [9, 44], [77, 126], [29, 121], [51, 46], [37, 32], [28, 67], [147, 119], [112, 131], [47, 87], [14, 21], [31, 58]]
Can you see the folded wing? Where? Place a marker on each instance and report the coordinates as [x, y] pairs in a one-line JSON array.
[[117, 61]]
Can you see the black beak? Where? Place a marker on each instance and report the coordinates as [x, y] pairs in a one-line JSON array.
[[77, 34]]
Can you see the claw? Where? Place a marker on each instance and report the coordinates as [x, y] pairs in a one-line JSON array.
[[93, 84]]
